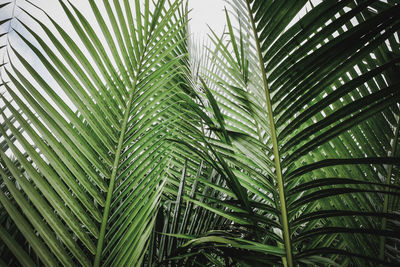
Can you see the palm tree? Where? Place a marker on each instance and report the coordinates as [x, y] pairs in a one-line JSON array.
[[276, 145]]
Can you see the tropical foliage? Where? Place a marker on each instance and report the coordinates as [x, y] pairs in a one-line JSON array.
[[124, 143]]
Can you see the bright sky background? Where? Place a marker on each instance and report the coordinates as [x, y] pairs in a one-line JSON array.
[[205, 12]]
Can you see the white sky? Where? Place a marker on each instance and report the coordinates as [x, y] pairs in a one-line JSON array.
[[205, 12]]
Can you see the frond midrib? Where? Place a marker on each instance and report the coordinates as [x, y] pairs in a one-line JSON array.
[[115, 166], [277, 163]]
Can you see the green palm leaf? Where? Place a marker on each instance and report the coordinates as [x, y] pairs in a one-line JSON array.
[[123, 145], [312, 95], [100, 130]]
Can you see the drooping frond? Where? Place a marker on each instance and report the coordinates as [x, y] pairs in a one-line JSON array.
[[99, 121], [306, 112]]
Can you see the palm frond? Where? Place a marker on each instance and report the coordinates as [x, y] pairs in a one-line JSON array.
[[316, 92], [124, 144]]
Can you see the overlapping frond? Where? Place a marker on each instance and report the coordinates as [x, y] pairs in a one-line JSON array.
[[88, 170], [307, 113], [120, 146]]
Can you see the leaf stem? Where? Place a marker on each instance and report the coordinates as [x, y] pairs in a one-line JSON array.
[[106, 212], [281, 189]]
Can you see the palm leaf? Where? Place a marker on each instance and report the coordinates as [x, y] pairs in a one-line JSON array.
[[100, 130], [311, 94], [123, 145]]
